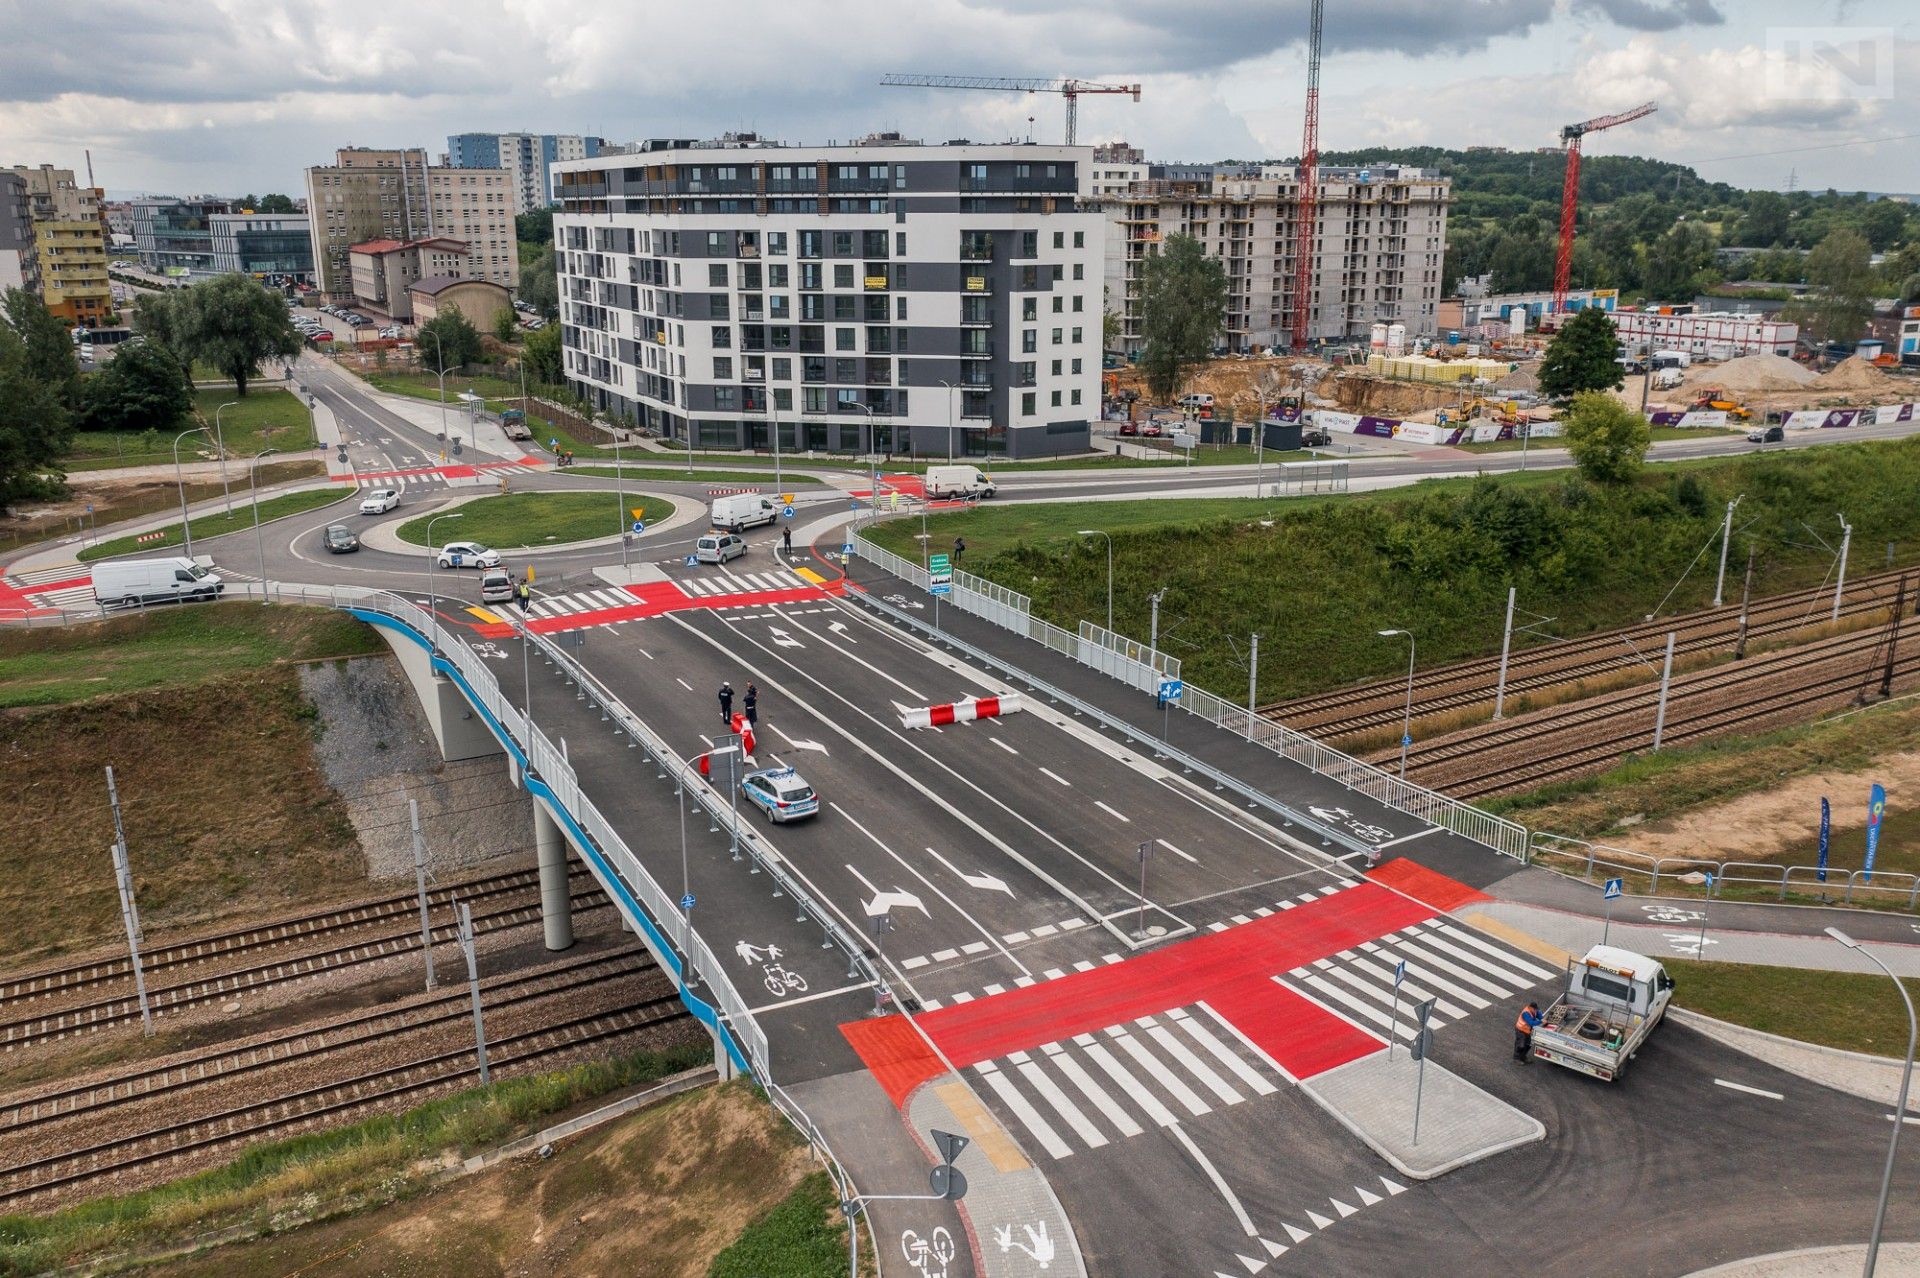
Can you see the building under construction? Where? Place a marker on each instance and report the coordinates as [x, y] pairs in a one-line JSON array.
[[1380, 235]]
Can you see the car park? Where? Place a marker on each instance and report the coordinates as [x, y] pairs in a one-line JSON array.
[[339, 539], [782, 794], [467, 554], [718, 547], [380, 501]]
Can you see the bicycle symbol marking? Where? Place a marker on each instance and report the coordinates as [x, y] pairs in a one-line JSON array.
[[489, 650], [1672, 914], [925, 1253], [780, 980], [901, 601]]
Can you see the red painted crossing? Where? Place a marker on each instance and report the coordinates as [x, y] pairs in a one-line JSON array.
[[17, 597], [656, 598], [446, 472]]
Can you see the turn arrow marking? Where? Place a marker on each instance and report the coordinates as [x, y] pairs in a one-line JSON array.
[[887, 902], [798, 744], [784, 639], [985, 882], [840, 628]]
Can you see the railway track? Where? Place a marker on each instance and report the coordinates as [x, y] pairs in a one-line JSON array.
[[121, 1009], [409, 1082], [1594, 734], [1470, 683], [214, 1066]]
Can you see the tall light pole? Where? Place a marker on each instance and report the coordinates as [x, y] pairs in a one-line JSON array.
[[869, 412], [1900, 1106], [952, 393], [1095, 532], [1406, 724], [220, 446], [440, 359], [432, 612], [620, 500], [186, 529], [259, 544], [686, 883]]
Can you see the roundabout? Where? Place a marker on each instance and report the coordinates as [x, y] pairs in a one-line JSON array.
[[534, 522]]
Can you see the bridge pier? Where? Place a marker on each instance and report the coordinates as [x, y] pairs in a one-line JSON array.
[[556, 904], [722, 1063], [457, 730]]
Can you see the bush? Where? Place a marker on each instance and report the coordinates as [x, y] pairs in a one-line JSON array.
[[797, 1239]]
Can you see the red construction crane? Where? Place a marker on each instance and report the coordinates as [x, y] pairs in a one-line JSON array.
[[1570, 192], [1069, 89], [1309, 204]]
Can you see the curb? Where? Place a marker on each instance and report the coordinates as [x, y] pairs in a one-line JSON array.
[[1704, 1023], [1539, 1133], [388, 539], [674, 1086], [1852, 1253]]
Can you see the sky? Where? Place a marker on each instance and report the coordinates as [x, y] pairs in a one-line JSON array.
[[238, 96]]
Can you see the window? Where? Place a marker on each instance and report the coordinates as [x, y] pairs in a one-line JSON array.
[[722, 368], [900, 309], [1056, 368], [1075, 397], [843, 275], [1024, 372], [776, 275], [722, 337], [720, 306], [717, 275], [809, 244], [777, 244], [810, 276], [716, 241], [813, 306], [843, 243], [1030, 308], [1057, 273], [1079, 270], [783, 400], [813, 399], [783, 368], [1027, 405], [846, 401], [845, 307], [1029, 340], [843, 339], [1023, 170], [873, 243], [1079, 239], [1056, 399], [899, 243], [1059, 303], [977, 173], [1076, 337], [1059, 239], [846, 370], [725, 398], [814, 368], [1076, 366], [1056, 337], [1078, 304], [1029, 243]]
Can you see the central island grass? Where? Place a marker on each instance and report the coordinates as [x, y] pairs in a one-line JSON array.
[[219, 523], [532, 520], [1854, 1011]]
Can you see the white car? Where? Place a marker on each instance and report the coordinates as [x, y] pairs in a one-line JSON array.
[[468, 554], [717, 548], [380, 501]]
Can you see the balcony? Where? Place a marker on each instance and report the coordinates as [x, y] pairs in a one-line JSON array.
[[977, 350], [976, 319], [977, 380]]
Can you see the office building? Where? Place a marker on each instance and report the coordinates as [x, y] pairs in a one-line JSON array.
[[369, 194], [1380, 234], [19, 267], [877, 297], [70, 244], [174, 237], [276, 248], [530, 157]]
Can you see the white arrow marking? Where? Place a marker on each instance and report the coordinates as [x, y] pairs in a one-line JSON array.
[[885, 902], [784, 639], [840, 628], [798, 744], [985, 882]]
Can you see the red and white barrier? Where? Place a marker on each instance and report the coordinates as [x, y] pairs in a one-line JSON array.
[[961, 711]]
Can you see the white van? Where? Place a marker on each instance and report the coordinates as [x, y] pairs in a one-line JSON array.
[[958, 481], [143, 581], [742, 510]]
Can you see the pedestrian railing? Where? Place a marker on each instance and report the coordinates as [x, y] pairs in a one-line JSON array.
[[1679, 873]]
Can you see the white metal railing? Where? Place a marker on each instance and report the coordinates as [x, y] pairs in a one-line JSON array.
[[1128, 660], [1847, 886]]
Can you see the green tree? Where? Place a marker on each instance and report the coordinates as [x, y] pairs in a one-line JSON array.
[[1676, 261], [538, 287], [142, 387], [1764, 223], [542, 353], [34, 426], [1580, 357], [1884, 223], [1608, 440], [157, 318], [271, 203], [535, 227], [231, 323], [448, 340], [1522, 258], [1183, 301], [1840, 302], [506, 325], [46, 345]]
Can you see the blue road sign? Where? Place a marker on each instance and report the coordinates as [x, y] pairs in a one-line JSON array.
[[1399, 973], [1170, 689], [846, 548], [639, 525], [1406, 739], [686, 902], [1826, 834], [1614, 889], [941, 588], [693, 561], [89, 508], [787, 511]]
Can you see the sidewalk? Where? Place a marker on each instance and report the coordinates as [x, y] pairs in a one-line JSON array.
[[1373, 1098]]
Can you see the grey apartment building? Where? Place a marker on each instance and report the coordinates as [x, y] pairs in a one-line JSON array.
[[881, 296], [1380, 236]]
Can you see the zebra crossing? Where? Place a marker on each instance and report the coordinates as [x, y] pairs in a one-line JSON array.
[[581, 601], [718, 586], [1463, 974], [738, 583], [1156, 1071], [68, 586], [403, 480]]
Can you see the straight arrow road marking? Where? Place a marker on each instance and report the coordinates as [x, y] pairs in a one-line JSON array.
[[839, 628], [985, 882]]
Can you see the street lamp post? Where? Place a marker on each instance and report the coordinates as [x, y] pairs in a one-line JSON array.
[[620, 500], [686, 883], [1900, 1107], [952, 392], [1095, 532], [869, 412], [220, 446], [259, 543], [431, 553], [186, 529], [1406, 723], [440, 360]]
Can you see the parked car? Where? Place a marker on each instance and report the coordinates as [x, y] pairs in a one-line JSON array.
[[324, 335], [1316, 438], [718, 547], [143, 581], [467, 554], [741, 510], [1129, 427], [339, 539], [496, 586], [379, 501], [781, 793]]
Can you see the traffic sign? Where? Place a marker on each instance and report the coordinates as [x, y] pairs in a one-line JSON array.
[[939, 565], [787, 511], [1399, 973], [1422, 1043], [1423, 1011], [1614, 889], [692, 560], [940, 588], [1171, 689], [639, 525], [686, 902], [947, 1182], [846, 548], [949, 1145], [1406, 739]]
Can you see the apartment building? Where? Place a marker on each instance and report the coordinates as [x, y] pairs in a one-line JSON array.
[[383, 271], [530, 157], [19, 267], [70, 244], [370, 194], [878, 297], [1380, 235]]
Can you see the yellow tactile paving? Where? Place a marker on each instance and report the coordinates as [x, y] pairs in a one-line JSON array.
[[1519, 940], [986, 1132]]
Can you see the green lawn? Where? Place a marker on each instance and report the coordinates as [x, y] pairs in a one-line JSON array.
[[267, 418], [532, 520], [628, 470], [168, 647], [219, 523], [1854, 1011], [424, 385]]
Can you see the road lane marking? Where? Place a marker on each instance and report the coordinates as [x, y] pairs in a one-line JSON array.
[[683, 683], [1134, 1089], [1177, 852], [1062, 1104], [1003, 745], [1160, 1073], [1056, 776], [1752, 1091], [1222, 1053], [1219, 1183], [1112, 812], [1026, 1113], [1097, 1095], [811, 998], [1407, 838]]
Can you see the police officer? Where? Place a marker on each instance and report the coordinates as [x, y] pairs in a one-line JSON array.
[[786, 541], [1523, 1027], [752, 704], [726, 704]]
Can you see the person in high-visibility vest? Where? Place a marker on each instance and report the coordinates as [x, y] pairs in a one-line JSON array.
[[1523, 1027]]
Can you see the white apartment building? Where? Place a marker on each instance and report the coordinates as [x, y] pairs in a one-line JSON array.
[[877, 297], [1380, 235], [374, 194]]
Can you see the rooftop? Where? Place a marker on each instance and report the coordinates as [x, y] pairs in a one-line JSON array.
[[433, 285]]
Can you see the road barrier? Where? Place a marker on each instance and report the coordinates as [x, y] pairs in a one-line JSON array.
[[1849, 887], [961, 711]]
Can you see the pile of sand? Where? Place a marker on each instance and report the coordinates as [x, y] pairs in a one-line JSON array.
[[1855, 374], [1765, 372], [1524, 377]]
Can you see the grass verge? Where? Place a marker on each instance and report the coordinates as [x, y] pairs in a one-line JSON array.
[[368, 1161], [662, 474], [1854, 1011], [534, 519], [218, 524], [803, 1237]]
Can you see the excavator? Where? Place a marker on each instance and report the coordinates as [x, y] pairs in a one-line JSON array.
[[1719, 401]]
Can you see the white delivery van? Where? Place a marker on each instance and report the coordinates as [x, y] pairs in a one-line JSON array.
[[743, 510], [958, 481], [141, 581]]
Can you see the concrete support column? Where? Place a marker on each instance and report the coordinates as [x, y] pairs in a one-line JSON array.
[[722, 1062], [556, 905]]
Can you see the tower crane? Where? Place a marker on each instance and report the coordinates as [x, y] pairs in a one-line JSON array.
[[1309, 206], [1570, 192], [1069, 89]]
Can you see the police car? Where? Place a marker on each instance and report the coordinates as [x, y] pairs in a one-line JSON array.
[[781, 793]]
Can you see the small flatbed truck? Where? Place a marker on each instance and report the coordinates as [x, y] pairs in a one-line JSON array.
[[1614, 1000]]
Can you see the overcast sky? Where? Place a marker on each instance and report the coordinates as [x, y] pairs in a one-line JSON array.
[[232, 96]]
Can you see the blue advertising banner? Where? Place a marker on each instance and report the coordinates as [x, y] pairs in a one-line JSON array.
[[1876, 808], [1826, 834]]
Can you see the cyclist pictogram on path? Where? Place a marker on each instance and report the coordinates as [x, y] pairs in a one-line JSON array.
[[929, 1256], [780, 980]]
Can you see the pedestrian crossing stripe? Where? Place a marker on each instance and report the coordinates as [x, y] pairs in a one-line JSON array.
[[36, 576]]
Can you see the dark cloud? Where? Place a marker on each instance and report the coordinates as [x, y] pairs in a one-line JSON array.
[[1653, 15]]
